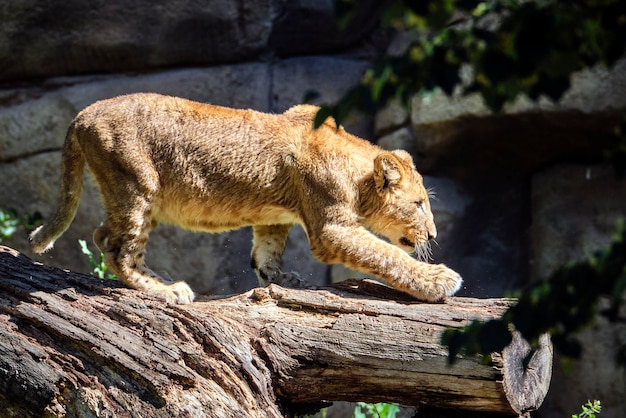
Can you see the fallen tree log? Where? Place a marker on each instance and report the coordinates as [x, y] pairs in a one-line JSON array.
[[73, 345]]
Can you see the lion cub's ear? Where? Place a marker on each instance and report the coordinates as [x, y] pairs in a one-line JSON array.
[[388, 171]]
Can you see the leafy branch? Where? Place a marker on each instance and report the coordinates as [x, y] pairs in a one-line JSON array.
[[512, 48], [589, 410]]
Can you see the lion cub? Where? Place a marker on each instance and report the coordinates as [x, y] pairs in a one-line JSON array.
[[210, 168]]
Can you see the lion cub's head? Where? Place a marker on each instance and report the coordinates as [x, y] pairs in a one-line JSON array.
[[401, 209]]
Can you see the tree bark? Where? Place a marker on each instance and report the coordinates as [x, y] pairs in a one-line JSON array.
[[76, 346]]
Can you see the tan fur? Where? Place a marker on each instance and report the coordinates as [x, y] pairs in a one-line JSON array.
[[210, 168]]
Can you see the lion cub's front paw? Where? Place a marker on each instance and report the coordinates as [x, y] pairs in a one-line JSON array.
[[443, 282], [179, 292], [434, 283]]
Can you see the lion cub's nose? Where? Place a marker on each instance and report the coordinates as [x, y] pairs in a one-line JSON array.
[[432, 233]]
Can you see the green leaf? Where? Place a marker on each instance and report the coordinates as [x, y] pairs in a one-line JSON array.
[[589, 410], [322, 114], [98, 266]]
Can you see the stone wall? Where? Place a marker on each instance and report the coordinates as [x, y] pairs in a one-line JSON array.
[[517, 193], [42, 39]]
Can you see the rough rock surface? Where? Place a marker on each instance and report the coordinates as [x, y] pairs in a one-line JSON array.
[[46, 39], [575, 209], [329, 77], [35, 119], [108, 36]]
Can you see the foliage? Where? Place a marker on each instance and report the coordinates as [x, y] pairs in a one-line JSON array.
[[10, 221], [589, 410], [378, 410], [505, 48], [513, 47], [561, 305], [99, 268]]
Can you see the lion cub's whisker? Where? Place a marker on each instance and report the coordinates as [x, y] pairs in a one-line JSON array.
[[423, 252]]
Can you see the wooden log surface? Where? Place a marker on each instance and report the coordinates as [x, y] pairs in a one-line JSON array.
[[73, 345]]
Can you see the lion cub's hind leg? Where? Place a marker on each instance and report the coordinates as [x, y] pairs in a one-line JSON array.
[[268, 246], [101, 239], [123, 241]]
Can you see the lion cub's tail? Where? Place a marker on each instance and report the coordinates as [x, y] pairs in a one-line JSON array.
[[42, 238]]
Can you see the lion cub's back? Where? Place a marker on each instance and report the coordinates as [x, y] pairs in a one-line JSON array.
[[147, 116]]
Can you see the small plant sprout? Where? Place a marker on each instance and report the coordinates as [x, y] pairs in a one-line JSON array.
[[99, 268], [378, 410], [590, 409]]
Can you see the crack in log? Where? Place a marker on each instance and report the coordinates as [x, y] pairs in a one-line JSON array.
[[14, 158]]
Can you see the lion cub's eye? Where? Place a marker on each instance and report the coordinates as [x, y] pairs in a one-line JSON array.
[[419, 204]]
